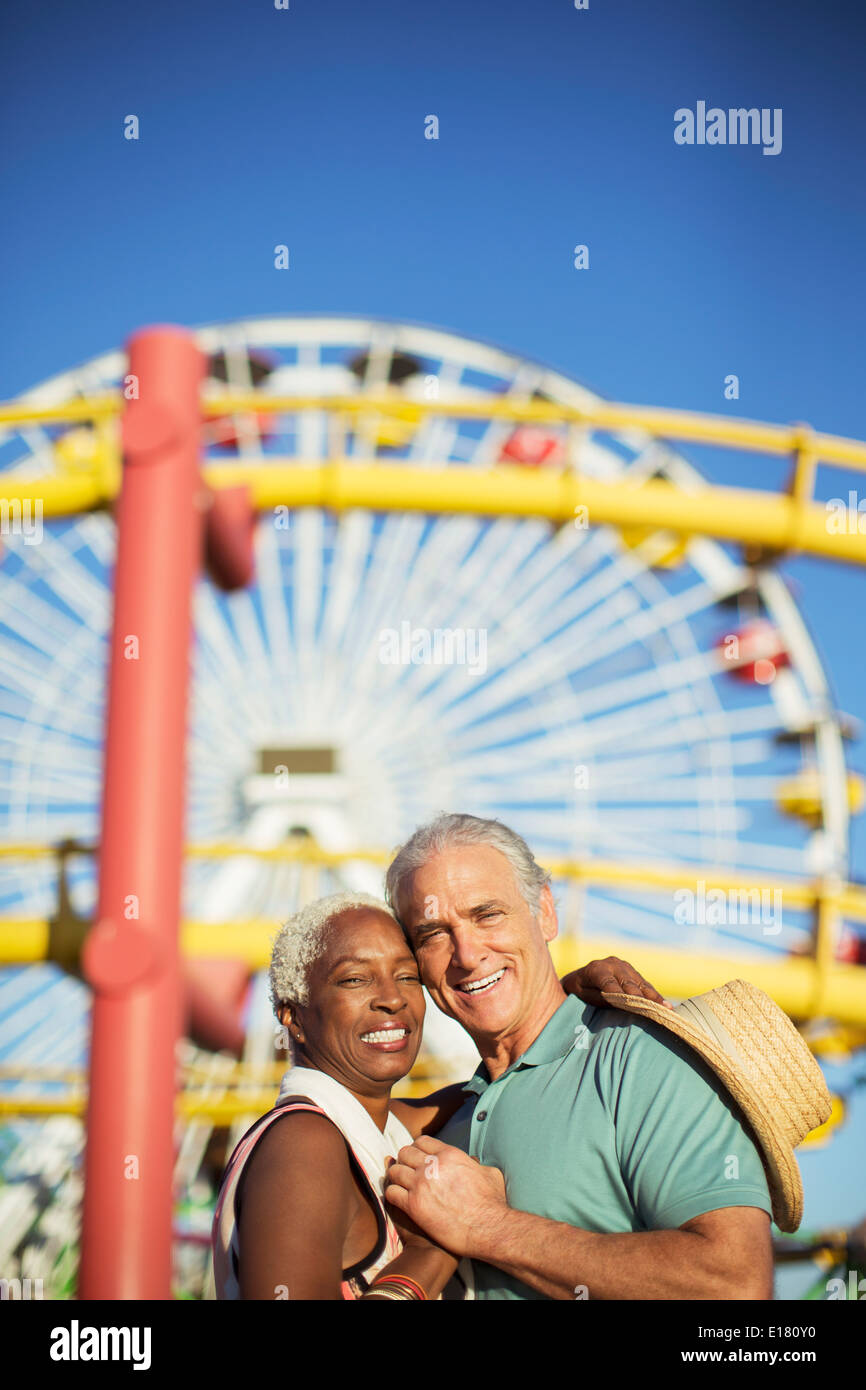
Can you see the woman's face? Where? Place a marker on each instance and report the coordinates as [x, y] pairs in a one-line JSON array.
[[365, 1014]]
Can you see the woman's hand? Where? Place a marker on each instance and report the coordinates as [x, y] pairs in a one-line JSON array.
[[609, 976]]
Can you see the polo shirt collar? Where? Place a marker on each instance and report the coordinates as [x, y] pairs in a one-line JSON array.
[[554, 1041]]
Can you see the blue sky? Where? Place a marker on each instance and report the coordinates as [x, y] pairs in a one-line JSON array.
[[306, 127]]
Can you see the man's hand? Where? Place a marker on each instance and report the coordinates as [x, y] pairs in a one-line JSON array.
[[448, 1194], [410, 1233], [609, 976]]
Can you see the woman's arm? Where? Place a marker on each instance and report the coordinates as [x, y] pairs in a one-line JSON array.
[[297, 1203], [422, 1260], [425, 1263]]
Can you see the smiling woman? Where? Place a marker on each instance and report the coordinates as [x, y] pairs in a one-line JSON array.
[[301, 1211]]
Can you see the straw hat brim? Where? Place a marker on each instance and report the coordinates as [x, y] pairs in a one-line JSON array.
[[780, 1164]]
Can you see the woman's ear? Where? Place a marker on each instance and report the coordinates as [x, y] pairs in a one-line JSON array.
[[289, 1021]]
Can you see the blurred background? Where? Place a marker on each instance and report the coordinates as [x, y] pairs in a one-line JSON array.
[[387, 202]]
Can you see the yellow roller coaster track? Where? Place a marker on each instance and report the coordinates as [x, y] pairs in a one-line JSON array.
[[770, 521], [808, 986], [238, 1091]]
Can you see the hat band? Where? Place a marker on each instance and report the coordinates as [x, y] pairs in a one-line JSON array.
[[700, 1013]]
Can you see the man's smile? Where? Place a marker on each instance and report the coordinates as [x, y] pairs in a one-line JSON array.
[[483, 985]]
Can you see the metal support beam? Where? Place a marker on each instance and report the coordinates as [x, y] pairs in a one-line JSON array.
[[130, 957]]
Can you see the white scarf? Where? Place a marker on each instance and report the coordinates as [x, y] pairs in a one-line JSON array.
[[367, 1141]]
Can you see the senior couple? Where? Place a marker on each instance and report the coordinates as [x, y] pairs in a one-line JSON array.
[[607, 1146]]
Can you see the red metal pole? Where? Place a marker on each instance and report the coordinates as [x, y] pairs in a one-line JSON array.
[[131, 955]]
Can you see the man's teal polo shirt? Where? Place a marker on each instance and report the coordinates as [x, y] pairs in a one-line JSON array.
[[610, 1123]]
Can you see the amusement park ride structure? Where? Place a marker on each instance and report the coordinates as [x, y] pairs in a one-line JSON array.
[[379, 474]]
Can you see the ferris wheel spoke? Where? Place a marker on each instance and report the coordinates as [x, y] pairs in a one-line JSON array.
[[554, 706], [705, 731], [551, 710], [640, 625], [618, 621], [351, 550], [218, 638], [484, 558], [274, 613], [517, 675], [617, 769], [463, 702], [262, 697], [747, 938], [217, 725], [688, 844], [374, 608], [604, 915], [34, 689], [306, 590], [65, 766], [37, 623], [62, 567]]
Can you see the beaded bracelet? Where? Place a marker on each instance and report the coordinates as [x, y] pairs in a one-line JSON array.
[[414, 1291]]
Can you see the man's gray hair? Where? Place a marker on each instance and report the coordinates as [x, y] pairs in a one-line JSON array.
[[454, 829], [301, 940]]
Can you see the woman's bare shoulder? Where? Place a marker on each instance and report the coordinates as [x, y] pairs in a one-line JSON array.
[[294, 1208], [297, 1139]]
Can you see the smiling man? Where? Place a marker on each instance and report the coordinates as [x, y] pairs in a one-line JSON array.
[[628, 1170]]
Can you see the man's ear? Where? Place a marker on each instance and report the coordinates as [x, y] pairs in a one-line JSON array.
[[547, 919]]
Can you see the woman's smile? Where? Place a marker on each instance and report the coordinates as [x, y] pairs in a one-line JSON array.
[[391, 1037]]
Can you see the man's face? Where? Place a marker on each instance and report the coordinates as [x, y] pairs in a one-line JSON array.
[[481, 954]]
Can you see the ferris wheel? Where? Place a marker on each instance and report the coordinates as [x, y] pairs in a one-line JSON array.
[[610, 695], [584, 695]]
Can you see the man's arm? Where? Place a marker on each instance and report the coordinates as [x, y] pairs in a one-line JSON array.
[[722, 1254], [427, 1114]]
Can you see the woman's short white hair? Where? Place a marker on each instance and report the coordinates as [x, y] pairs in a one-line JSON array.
[[300, 941], [455, 829]]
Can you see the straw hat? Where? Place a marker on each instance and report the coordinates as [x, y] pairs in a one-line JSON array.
[[755, 1050]]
